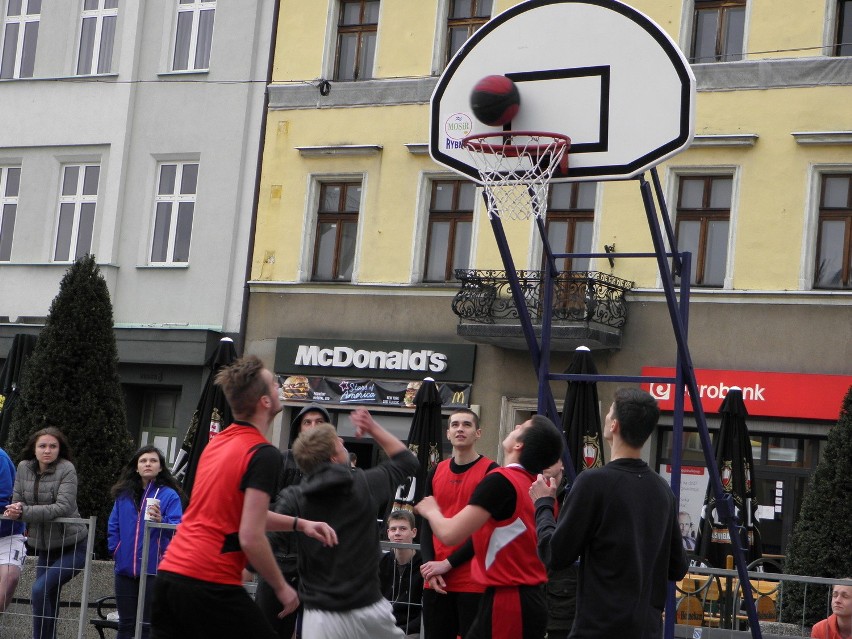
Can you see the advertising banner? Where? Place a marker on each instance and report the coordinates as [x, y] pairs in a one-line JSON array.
[[368, 392]]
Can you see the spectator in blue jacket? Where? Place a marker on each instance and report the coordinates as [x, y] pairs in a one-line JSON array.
[[144, 477], [13, 544]]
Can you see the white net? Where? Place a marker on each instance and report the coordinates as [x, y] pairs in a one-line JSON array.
[[516, 167]]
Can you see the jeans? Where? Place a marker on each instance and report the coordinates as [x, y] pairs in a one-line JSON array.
[[54, 568], [126, 600]]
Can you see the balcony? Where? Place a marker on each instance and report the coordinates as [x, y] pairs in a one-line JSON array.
[[589, 309]]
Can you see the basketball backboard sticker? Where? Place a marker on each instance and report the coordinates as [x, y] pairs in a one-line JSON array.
[[598, 71]]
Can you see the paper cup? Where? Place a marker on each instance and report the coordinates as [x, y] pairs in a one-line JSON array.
[[151, 501]]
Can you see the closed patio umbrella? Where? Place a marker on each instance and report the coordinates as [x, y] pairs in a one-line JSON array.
[[581, 415], [734, 458], [10, 379], [212, 415]]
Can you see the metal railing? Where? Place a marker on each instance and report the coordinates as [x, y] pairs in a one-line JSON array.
[[578, 296]]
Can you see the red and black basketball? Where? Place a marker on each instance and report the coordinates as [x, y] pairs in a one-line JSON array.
[[495, 100]]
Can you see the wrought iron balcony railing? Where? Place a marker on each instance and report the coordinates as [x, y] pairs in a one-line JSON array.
[[578, 296]]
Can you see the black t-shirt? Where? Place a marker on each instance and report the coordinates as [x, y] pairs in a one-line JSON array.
[[495, 494], [262, 471]]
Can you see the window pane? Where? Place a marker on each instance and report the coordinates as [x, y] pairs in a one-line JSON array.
[[461, 252], [90, 5], [14, 8], [692, 193], [87, 46], [183, 35], [110, 4], [69, 183], [442, 196], [830, 259], [330, 198], [582, 243], [167, 179], [688, 234], [204, 40], [458, 36], [720, 193], [462, 9], [844, 31], [183, 233], [353, 198], [734, 34], [586, 192], [189, 179], [367, 57], [467, 193], [346, 56], [484, 8], [13, 182], [63, 234], [29, 51], [351, 13], [836, 194], [371, 12], [717, 253], [347, 251], [90, 180], [162, 221], [560, 196], [10, 43], [34, 7], [325, 251], [557, 235], [85, 229], [436, 260], [7, 230], [706, 28], [107, 44]]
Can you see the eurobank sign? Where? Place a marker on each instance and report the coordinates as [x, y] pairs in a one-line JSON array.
[[380, 359], [766, 394]]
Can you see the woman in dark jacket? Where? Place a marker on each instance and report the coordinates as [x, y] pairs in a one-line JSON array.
[[145, 476], [46, 489]]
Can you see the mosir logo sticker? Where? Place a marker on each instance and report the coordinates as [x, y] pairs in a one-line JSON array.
[[457, 126]]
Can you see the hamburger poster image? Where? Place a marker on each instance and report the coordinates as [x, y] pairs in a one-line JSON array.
[[366, 391]]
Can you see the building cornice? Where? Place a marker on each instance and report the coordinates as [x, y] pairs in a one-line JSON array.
[[823, 137]]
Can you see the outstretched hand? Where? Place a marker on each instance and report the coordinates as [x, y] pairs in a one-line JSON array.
[[363, 421], [542, 487], [320, 531]]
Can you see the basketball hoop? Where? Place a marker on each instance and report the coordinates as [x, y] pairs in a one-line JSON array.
[[516, 167]]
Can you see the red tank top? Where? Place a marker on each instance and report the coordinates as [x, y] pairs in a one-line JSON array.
[[506, 550], [206, 545], [453, 491]]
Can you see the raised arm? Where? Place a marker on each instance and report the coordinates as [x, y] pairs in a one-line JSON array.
[[366, 425], [457, 529]]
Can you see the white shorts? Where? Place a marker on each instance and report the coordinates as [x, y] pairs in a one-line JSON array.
[[13, 550], [375, 622]]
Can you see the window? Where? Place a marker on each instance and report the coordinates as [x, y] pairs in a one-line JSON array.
[[464, 18], [718, 30], [570, 222], [337, 228], [834, 236], [97, 36], [193, 35], [356, 39], [10, 181], [174, 208], [843, 43], [159, 408], [77, 202], [450, 221], [703, 218], [20, 35]]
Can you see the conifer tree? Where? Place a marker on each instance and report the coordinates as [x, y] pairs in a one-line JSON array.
[[72, 383], [820, 545]]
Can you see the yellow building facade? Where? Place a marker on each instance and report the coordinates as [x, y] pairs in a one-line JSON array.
[[348, 126]]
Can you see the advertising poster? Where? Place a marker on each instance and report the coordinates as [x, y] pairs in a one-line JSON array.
[[693, 488]]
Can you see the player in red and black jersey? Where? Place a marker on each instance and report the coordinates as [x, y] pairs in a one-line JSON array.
[[501, 519]]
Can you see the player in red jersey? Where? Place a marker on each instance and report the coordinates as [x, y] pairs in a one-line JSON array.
[[501, 518], [199, 593]]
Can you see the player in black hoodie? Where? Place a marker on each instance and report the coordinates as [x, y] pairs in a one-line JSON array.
[[340, 590]]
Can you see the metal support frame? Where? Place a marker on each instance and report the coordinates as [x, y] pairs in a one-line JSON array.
[[684, 379]]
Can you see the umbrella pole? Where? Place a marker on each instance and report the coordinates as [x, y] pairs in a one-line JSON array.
[[724, 502]]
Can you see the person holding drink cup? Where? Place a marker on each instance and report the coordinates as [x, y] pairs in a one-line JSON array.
[[146, 490]]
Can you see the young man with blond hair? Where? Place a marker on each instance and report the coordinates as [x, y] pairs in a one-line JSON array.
[[340, 590]]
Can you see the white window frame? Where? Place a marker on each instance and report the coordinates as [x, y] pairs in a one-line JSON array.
[[23, 19], [810, 231], [6, 200], [311, 215], [439, 52], [98, 15], [175, 199], [77, 199], [673, 175], [195, 7]]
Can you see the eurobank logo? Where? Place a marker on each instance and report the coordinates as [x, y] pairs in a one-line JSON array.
[[768, 394], [380, 359]]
